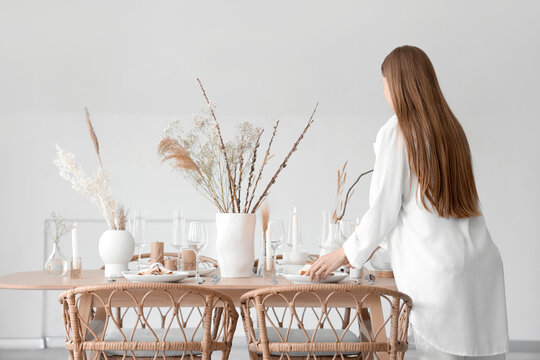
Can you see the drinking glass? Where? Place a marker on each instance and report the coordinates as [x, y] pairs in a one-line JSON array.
[[347, 228], [294, 233], [275, 236], [324, 228], [179, 238], [197, 239], [139, 232]]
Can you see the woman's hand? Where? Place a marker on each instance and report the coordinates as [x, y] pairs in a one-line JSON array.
[[326, 264]]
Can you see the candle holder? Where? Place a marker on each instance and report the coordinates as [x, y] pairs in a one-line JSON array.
[[75, 270], [156, 252], [170, 263]]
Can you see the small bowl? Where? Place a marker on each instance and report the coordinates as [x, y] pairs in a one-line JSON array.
[[295, 257], [292, 269]]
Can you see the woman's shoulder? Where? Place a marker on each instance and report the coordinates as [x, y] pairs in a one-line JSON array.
[[388, 131]]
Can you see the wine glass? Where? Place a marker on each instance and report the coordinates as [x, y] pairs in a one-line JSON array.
[[275, 234], [179, 238], [197, 240], [139, 232]]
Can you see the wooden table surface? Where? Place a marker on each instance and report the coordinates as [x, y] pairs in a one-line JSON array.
[[234, 287]]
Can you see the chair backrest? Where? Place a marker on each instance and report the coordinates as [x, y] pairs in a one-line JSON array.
[[363, 335], [91, 324]]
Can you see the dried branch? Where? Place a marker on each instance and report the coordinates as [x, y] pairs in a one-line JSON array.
[[252, 167], [222, 147], [267, 157], [284, 163], [350, 192], [265, 217], [92, 135]]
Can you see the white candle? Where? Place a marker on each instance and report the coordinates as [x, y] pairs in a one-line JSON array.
[[75, 243], [268, 250], [295, 231]]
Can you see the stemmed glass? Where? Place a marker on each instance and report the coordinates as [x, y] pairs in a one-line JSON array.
[[139, 232], [275, 236], [179, 238], [197, 239]]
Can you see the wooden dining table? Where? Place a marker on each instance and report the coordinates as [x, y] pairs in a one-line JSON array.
[[233, 287]]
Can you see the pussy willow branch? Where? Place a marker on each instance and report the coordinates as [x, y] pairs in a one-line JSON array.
[[252, 168], [348, 195], [232, 187], [284, 163], [265, 160]]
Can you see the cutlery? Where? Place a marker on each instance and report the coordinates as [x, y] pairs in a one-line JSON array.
[[201, 280], [215, 278], [370, 279]]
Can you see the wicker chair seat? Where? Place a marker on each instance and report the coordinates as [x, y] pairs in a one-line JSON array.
[[146, 335], [299, 336]]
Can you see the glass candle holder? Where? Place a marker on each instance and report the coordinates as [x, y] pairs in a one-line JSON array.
[[75, 270]]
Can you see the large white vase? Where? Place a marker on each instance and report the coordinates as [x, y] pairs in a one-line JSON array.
[[234, 243], [116, 250]]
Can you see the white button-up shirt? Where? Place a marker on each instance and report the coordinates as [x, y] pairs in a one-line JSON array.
[[450, 267]]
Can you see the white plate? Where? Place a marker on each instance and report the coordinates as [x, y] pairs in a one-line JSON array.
[[302, 279], [202, 272], [174, 277]]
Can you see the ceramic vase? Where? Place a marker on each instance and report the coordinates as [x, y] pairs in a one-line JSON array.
[[235, 244], [116, 250]]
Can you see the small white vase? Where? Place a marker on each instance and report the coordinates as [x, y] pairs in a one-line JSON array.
[[235, 244], [116, 250]]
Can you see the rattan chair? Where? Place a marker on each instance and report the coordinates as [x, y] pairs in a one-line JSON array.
[[199, 322], [297, 337]]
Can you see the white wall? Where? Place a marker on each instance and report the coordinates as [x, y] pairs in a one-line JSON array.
[[134, 64]]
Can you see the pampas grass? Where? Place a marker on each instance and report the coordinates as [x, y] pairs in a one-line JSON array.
[[170, 149]]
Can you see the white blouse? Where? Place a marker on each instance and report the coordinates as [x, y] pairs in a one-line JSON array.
[[450, 267]]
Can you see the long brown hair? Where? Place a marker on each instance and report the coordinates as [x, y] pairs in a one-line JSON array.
[[436, 144]]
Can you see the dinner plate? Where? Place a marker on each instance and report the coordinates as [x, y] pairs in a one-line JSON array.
[[302, 279], [174, 277]]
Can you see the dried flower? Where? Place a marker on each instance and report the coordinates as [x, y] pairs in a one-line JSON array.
[[97, 187], [60, 227], [218, 169]]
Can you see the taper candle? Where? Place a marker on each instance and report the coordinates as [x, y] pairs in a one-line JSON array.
[[75, 241]]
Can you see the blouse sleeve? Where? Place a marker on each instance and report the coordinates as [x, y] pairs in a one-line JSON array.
[[386, 193]]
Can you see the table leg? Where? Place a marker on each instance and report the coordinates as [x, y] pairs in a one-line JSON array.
[[377, 322], [217, 321]]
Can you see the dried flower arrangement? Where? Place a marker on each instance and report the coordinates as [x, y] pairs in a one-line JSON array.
[[97, 187], [219, 170], [60, 227], [340, 205]]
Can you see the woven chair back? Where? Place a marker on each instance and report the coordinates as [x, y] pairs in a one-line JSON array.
[[197, 321], [327, 334]]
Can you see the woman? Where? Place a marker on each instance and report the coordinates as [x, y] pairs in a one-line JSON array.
[[424, 207]]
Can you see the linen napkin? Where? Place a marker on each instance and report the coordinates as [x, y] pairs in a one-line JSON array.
[[156, 269]]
